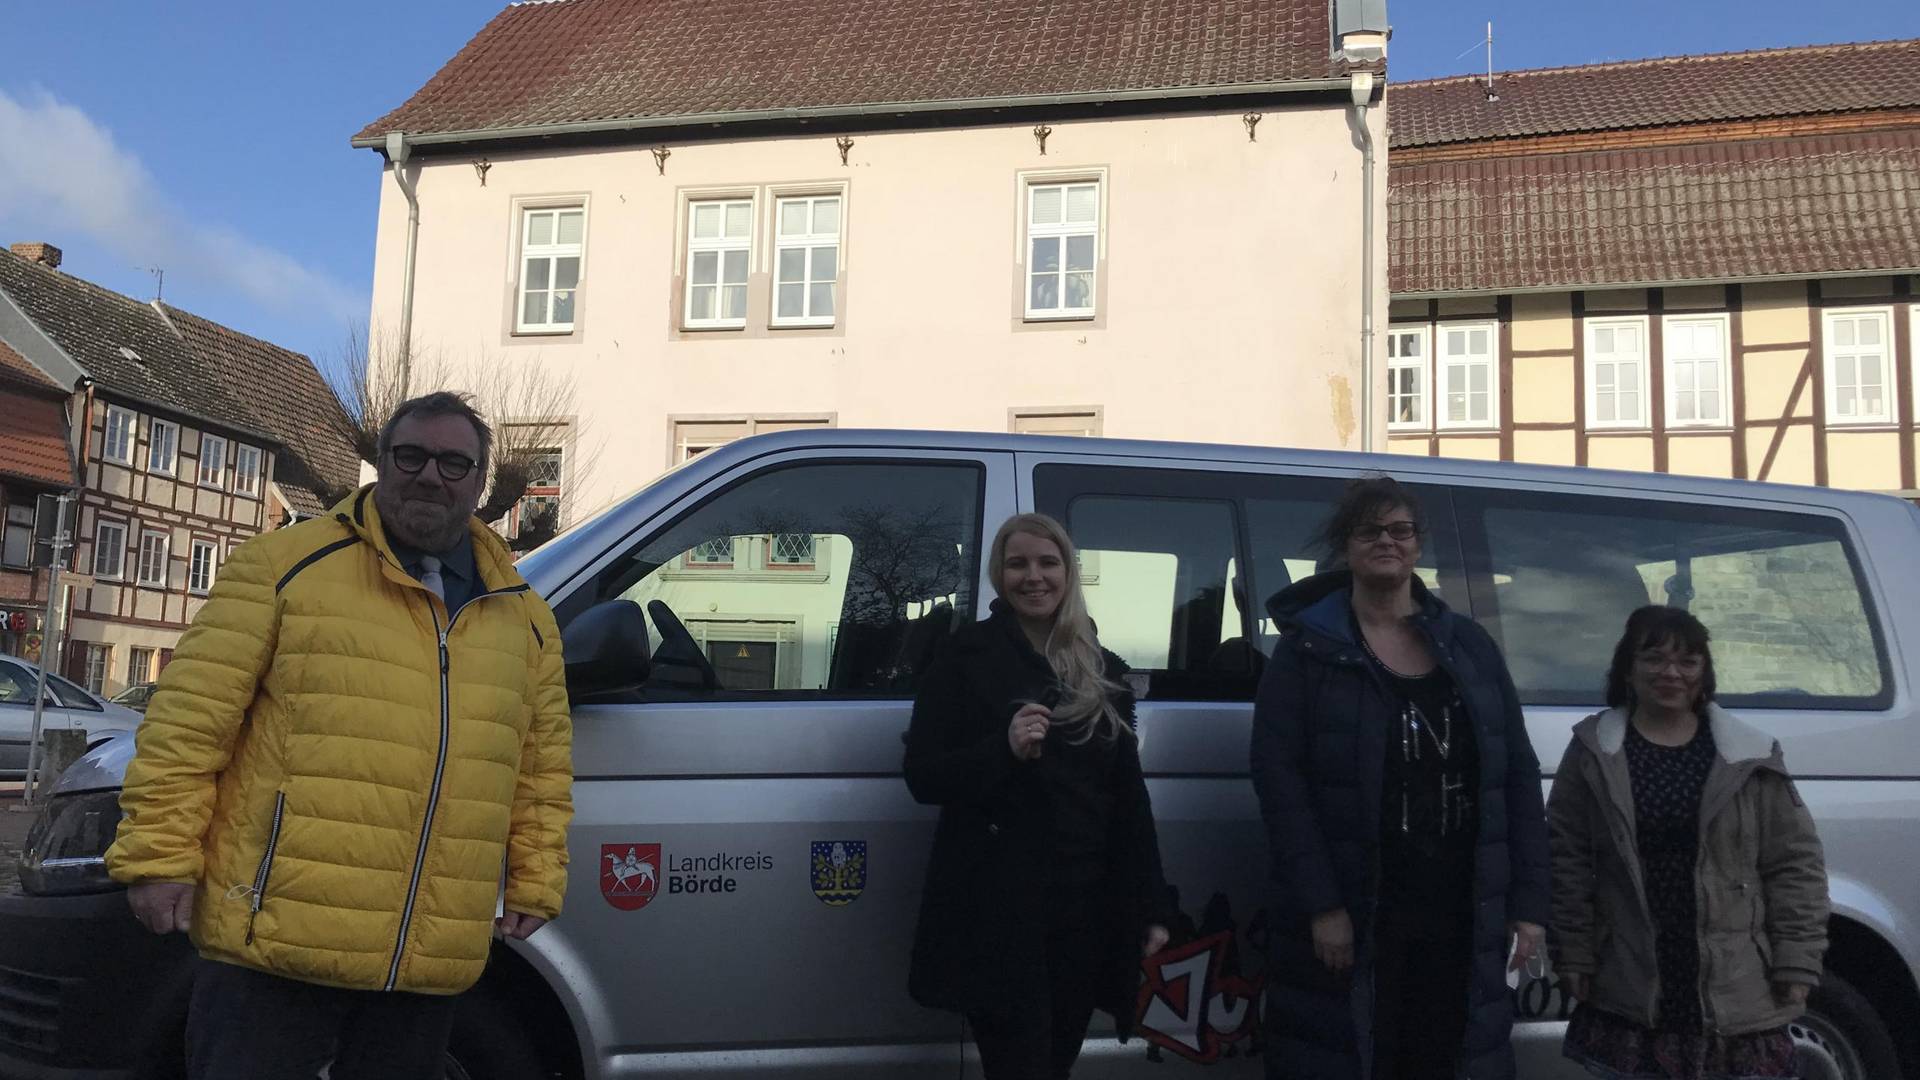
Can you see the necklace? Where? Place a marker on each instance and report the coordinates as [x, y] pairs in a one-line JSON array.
[[1375, 657], [1449, 814]]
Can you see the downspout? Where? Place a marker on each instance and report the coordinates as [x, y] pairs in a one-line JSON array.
[[397, 151], [1362, 89]]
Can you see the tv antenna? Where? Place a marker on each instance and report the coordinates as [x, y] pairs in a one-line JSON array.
[[1487, 44]]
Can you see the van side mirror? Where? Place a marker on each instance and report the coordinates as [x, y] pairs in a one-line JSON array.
[[606, 651]]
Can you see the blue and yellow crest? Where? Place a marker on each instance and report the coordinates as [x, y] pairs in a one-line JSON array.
[[839, 870]]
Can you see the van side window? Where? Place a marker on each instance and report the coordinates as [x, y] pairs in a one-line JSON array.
[[834, 579], [1554, 577], [1284, 519], [1179, 564]]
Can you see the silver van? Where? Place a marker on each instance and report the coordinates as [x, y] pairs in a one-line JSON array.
[[745, 635]]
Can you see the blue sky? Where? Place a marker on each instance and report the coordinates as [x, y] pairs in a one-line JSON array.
[[210, 137]]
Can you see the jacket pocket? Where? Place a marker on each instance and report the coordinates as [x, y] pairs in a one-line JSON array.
[[261, 876]]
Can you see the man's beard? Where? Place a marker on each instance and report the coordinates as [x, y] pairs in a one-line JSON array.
[[409, 523]]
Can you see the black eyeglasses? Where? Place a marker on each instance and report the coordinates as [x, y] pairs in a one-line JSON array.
[[411, 459], [1399, 530]]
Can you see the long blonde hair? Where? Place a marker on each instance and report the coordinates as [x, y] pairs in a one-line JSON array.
[[1086, 705]]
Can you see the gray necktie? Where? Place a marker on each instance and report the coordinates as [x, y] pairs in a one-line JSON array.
[[430, 577]]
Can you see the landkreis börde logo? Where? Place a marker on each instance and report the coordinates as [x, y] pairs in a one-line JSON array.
[[629, 874], [839, 871]]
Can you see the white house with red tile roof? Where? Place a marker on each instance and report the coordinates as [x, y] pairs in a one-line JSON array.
[[1075, 216]]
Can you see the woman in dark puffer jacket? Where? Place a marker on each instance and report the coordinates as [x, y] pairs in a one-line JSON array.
[[1404, 818]]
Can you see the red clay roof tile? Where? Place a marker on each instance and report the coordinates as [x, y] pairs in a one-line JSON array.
[[20, 371], [1703, 211], [1647, 93], [33, 445], [575, 61]]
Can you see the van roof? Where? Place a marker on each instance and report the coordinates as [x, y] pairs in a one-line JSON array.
[[1404, 466]]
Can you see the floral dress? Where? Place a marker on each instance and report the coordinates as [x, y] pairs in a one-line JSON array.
[[1667, 785]]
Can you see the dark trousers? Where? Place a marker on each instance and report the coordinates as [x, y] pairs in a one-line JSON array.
[[1420, 997], [247, 1025], [1043, 1044], [1035, 1047]]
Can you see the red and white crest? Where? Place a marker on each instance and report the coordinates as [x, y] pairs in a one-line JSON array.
[[629, 874]]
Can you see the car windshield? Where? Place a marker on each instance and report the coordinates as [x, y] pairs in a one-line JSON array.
[[16, 685], [68, 694]]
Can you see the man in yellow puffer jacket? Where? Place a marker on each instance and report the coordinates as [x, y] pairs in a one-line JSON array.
[[363, 733]]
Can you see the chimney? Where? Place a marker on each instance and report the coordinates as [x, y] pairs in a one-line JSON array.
[[45, 254]]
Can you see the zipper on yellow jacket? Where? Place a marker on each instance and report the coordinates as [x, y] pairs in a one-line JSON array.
[[439, 771]]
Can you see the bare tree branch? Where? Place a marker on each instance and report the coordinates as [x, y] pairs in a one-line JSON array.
[[531, 405]]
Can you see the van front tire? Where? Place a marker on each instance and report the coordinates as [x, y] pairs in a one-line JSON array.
[[1842, 1036]]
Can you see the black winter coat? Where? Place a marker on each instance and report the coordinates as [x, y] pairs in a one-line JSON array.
[[1318, 757], [980, 945]]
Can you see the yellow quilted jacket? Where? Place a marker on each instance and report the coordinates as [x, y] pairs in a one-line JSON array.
[[345, 778]]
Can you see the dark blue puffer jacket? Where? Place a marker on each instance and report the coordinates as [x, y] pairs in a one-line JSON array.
[[1319, 751]]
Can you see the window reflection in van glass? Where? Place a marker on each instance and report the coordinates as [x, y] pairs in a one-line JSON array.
[[1779, 595], [1286, 548], [1160, 596], [815, 578], [1190, 606]]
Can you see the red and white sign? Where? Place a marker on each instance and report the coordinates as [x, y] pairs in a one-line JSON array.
[[629, 874]]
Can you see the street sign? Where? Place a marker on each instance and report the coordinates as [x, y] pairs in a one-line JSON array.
[[58, 545], [54, 517]]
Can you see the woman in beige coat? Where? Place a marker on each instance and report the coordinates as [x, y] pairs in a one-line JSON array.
[[1689, 892]]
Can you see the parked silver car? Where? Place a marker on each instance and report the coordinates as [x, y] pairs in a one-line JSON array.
[[68, 708], [744, 638]]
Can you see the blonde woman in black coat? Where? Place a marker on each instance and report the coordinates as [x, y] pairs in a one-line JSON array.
[[1045, 888]]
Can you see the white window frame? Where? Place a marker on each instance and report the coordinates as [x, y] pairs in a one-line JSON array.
[[1423, 364], [200, 576], [692, 434], [1445, 370], [131, 439], [772, 547], [155, 427], [1644, 420], [691, 558], [1064, 230], [99, 660], [241, 482], [166, 556], [220, 466], [551, 253], [118, 569], [721, 246], [141, 673], [1725, 385], [808, 244], [1889, 411]]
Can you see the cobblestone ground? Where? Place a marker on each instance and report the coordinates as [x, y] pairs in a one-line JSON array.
[[13, 833]]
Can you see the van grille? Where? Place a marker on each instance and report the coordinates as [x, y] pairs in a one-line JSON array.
[[29, 1011]]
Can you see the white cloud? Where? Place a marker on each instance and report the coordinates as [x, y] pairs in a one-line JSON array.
[[64, 173]]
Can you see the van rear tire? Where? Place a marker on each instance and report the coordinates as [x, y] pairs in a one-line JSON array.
[[1842, 1036], [490, 1042]]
